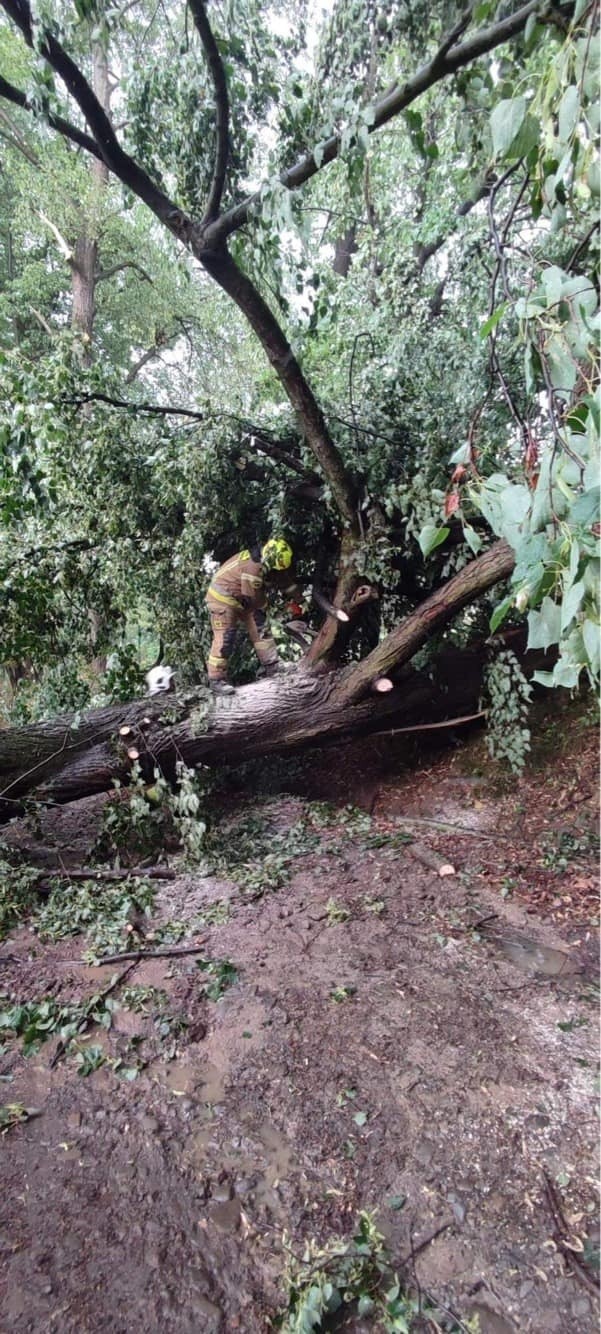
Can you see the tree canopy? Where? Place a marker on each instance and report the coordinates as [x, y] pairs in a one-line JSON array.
[[263, 269]]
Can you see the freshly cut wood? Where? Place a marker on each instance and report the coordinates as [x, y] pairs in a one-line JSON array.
[[431, 859], [337, 613]]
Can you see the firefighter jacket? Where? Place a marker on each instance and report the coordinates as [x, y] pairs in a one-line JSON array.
[[241, 582]]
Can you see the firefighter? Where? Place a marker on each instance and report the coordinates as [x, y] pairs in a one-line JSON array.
[[237, 597]]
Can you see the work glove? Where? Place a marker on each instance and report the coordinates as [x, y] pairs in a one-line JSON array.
[[300, 631]]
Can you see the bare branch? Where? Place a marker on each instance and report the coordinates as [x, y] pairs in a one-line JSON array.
[[64, 247], [103, 274], [425, 252], [104, 144], [258, 442], [217, 71], [12, 136], [64, 127], [445, 61], [162, 339]]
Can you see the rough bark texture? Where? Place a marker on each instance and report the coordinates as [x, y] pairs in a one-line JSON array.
[[85, 257], [278, 715], [58, 763]]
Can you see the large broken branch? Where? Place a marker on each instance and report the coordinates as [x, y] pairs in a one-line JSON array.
[[399, 646], [215, 64]]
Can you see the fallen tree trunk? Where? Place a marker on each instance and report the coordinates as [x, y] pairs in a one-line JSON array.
[[69, 758], [281, 716]]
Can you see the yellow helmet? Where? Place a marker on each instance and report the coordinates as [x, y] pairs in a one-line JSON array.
[[276, 554]]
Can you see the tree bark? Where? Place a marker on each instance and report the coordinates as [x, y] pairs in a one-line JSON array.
[[57, 763], [85, 257], [280, 715]]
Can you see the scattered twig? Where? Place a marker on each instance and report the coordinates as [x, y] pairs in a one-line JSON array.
[[447, 1310], [433, 727], [112, 986], [146, 954], [560, 1237], [421, 1246], [100, 873], [445, 825]]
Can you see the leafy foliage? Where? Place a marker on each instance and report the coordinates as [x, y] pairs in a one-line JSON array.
[[147, 817], [353, 1273], [37, 1021], [507, 693], [17, 892], [110, 915], [437, 282]]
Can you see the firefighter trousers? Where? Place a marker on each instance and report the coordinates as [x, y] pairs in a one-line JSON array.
[[226, 621]]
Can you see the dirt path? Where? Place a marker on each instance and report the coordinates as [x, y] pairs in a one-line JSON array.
[[374, 1052]]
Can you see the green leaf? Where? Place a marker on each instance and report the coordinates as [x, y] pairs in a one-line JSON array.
[[492, 321], [461, 455], [500, 613], [592, 644], [360, 1118], [571, 604], [569, 111], [472, 538], [505, 122], [585, 510], [527, 137], [431, 537], [544, 626]]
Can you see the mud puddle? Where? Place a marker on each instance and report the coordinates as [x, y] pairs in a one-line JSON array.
[[532, 957]]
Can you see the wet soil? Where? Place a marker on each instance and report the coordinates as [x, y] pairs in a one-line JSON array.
[[458, 1013]]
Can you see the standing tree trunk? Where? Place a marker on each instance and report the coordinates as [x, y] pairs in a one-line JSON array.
[[85, 256]]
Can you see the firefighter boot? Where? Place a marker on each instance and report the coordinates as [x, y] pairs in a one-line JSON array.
[[221, 688]]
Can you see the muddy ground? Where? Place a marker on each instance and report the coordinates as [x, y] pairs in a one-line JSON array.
[[419, 1046]]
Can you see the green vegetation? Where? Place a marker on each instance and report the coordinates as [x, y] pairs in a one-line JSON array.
[[17, 892], [443, 390], [356, 1275], [37, 1021], [107, 913]]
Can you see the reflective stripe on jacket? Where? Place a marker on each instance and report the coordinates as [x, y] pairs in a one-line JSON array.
[[239, 583]]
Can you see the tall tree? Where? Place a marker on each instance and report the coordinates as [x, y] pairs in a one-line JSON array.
[[542, 143]]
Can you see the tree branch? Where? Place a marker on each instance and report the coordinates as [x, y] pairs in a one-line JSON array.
[[11, 135], [425, 252], [263, 446], [447, 60], [106, 146], [257, 440], [103, 274], [226, 273], [64, 127], [222, 111], [401, 644]]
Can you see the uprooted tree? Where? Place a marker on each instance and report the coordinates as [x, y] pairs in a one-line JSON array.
[[514, 156]]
